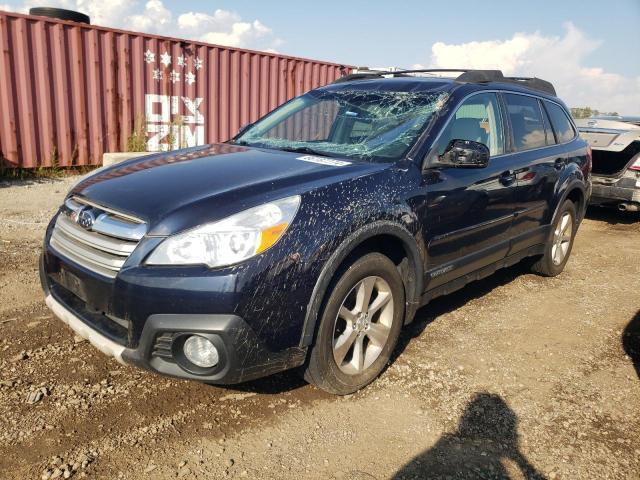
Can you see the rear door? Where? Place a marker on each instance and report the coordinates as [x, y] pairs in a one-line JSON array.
[[468, 210], [537, 161]]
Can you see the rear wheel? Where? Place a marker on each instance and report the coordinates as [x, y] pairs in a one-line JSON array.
[[560, 242], [359, 327]]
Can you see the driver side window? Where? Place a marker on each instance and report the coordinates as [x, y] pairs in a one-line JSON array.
[[477, 119]]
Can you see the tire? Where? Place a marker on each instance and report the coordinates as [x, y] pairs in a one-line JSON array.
[[560, 242], [61, 14], [349, 326]]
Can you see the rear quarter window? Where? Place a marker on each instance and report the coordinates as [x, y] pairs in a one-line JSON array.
[[560, 122]]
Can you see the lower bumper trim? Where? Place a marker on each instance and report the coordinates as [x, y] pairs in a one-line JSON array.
[[102, 343], [612, 193]]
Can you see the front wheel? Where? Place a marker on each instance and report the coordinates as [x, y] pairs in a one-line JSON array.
[[560, 242], [359, 327]]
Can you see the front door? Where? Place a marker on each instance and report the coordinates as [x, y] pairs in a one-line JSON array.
[[468, 211]]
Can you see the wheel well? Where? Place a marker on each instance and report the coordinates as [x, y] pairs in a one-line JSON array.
[[388, 245], [577, 197], [393, 248], [403, 252]]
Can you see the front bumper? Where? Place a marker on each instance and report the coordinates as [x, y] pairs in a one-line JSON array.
[[101, 342], [243, 356]]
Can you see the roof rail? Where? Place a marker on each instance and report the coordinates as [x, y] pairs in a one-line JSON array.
[[466, 76], [358, 76]]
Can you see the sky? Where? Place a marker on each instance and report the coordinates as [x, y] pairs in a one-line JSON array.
[[588, 49]]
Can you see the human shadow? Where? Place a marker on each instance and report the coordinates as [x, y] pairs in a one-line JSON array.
[[485, 442], [631, 341]]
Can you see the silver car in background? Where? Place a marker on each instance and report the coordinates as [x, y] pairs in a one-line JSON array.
[[615, 142]]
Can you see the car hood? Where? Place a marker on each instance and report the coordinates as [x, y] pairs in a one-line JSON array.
[[176, 190]]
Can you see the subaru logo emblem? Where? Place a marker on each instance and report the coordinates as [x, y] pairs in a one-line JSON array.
[[86, 218]]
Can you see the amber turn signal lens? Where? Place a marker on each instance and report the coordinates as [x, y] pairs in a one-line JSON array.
[[270, 236]]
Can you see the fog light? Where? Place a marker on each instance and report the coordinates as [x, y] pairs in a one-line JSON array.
[[200, 351]]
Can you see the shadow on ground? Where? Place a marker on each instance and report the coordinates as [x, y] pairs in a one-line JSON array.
[[292, 379], [631, 341], [447, 303], [612, 215], [282, 382], [485, 445]]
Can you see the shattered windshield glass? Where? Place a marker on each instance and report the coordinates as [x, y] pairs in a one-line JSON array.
[[372, 125]]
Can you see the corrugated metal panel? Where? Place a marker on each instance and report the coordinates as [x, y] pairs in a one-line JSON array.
[[70, 92]]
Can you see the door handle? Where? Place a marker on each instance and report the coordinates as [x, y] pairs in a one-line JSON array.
[[559, 163], [507, 178]]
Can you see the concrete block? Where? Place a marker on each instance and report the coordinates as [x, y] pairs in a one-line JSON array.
[[117, 157]]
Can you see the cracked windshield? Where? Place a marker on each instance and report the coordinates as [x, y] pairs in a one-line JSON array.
[[366, 125]]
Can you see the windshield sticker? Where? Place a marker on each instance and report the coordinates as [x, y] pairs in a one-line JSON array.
[[323, 161]]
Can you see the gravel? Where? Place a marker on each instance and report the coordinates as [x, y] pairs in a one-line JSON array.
[[516, 375]]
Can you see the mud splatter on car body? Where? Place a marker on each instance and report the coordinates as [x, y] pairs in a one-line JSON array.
[[369, 192]]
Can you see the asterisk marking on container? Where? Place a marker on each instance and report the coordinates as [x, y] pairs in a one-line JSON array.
[[165, 59], [174, 76], [149, 56]]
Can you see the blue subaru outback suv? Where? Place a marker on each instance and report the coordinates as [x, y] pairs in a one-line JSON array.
[[315, 234]]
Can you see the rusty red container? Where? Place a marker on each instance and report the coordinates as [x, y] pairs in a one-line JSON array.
[[70, 92]]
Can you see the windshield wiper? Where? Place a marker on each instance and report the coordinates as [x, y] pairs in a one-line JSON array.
[[308, 150]]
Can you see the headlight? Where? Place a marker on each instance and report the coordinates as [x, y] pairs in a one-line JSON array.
[[230, 240]]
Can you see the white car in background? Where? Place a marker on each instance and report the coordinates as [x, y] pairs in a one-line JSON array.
[[615, 142]]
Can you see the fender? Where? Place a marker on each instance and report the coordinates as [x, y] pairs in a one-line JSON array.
[[574, 180], [348, 245]]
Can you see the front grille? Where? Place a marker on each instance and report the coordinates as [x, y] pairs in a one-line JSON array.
[[103, 243]]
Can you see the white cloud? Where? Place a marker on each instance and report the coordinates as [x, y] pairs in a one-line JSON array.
[[11, 8], [559, 59], [226, 28], [223, 27], [155, 18]]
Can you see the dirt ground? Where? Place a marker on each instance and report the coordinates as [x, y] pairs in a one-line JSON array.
[[515, 376]]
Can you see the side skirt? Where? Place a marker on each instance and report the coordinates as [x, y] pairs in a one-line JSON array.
[[481, 273]]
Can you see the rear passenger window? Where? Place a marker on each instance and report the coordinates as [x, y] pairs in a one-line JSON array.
[[526, 121], [561, 124]]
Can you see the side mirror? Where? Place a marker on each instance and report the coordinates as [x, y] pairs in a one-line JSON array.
[[466, 154]]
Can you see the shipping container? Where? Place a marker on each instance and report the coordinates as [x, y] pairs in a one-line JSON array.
[[70, 92]]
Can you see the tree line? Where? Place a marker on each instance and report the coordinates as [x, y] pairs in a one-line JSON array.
[[586, 112]]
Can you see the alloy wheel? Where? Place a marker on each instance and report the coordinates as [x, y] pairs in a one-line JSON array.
[[363, 325], [562, 236]]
